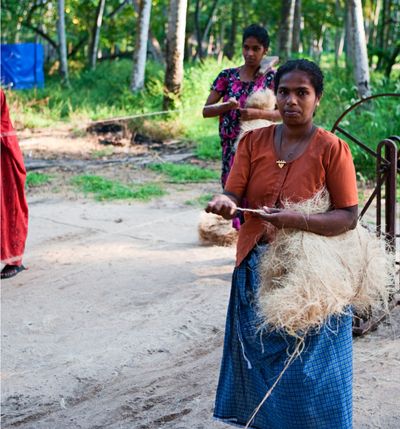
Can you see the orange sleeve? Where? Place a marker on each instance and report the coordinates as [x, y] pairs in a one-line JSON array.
[[239, 174], [341, 176]]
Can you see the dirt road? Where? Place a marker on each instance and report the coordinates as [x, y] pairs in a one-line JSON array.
[[119, 323]]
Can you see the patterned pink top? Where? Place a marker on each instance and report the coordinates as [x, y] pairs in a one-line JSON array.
[[228, 84]]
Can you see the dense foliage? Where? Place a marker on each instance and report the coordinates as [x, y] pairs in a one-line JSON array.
[[216, 23]]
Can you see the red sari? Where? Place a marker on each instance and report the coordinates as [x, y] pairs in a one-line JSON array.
[[14, 208]]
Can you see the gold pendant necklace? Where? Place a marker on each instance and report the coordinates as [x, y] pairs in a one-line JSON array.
[[281, 162]]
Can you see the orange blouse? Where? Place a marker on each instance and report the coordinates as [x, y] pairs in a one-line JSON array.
[[255, 176]]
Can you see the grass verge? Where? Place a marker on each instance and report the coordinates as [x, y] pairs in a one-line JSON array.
[[184, 173], [34, 179], [104, 189]]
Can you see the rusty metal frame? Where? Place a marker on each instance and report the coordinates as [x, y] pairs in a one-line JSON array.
[[387, 168]]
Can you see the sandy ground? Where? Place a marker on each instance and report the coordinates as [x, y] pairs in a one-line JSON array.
[[119, 321]]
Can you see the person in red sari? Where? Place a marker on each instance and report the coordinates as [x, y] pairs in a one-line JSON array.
[[14, 208]]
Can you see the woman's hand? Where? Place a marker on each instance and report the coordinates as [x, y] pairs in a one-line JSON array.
[[222, 205], [214, 108], [282, 218], [233, 103]]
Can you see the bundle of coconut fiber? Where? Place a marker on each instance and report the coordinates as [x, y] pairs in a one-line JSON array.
[[215, 230], [263, 99], [306, 277]]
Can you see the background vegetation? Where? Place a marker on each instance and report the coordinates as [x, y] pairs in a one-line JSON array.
[[88, 98], [212, 42]]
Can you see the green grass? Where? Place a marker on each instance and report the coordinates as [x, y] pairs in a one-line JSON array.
[[34, 179], [104, 189], [184, 173], [201, 201]]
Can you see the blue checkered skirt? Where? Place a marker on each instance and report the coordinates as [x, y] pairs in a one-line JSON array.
[[315, 392]]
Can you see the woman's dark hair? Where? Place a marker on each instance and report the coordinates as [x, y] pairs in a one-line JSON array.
[[314, 73], [258, 32]]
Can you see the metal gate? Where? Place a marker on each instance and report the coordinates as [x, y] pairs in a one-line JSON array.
[[387, 168]]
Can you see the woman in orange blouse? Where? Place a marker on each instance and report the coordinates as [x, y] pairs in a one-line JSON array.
[[291, 161]]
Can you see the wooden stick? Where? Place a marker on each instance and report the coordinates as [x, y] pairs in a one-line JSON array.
[[258, 211]]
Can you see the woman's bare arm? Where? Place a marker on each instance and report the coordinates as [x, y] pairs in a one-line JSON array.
[[213, 108], [248, 114], [329, 224]]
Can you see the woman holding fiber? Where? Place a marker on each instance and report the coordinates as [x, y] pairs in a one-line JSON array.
[[287, 162]]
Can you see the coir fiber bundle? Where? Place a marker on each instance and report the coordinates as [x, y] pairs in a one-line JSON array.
[[215, 230], [263, 99], [306, 277]]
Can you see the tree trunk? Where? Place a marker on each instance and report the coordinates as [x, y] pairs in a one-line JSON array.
[[360, 57], [387, 4], [155, 48], [382, 35], [339, 42], [199, 52], [286, 30], [210, 21], [392, 60], [220, 42], [174, 52], [296, 27], [375, 24], [230, 46], [96, 34], [339, 37], [318, 42], [154, 45], [349, 42], [210, 45], [140, 55], [62, 42]]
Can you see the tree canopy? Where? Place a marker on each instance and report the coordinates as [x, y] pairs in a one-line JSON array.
[[213, 28]]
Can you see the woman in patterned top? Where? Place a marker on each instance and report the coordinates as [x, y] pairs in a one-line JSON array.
[[234, 85]]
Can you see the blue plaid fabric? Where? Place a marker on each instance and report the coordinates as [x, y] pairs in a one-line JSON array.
[[315, 392]]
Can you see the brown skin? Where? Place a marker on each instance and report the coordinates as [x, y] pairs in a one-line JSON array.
[[253, 52], [297, 101]]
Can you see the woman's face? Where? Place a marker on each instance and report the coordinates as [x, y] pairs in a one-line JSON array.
[[253, 51], [296, 98]]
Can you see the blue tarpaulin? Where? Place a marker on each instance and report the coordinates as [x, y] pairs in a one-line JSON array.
[[22, 65]]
